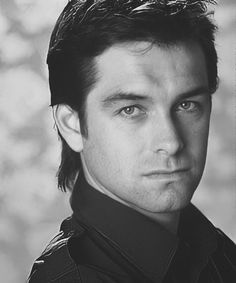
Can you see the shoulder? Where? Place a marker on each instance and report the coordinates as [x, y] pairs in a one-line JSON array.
[[222, 250], [226, 247], [55, 263], [222, 263]]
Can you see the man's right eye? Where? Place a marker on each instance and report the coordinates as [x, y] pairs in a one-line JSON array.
[[132, 111]]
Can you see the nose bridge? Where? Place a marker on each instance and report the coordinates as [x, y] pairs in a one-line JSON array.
[[167, 136]]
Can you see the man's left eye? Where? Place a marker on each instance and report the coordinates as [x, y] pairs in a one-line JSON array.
[[187, 106]]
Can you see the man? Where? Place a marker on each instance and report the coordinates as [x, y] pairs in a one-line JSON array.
[[131, 85]]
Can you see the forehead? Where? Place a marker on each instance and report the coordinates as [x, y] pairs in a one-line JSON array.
[[145, 67]]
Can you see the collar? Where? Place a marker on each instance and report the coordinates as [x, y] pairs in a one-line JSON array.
[[148, 244]]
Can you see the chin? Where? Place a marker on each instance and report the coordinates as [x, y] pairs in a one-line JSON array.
[[167, 203]]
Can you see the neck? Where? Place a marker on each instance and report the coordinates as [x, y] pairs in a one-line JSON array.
[[169, 221]]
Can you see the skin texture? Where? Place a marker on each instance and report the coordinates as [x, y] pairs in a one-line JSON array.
[[148, 121]]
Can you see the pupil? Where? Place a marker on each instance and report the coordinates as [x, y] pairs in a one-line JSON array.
[[129, 110], [185, 104]]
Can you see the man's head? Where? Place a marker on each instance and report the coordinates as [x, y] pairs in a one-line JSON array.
[[98, 48]]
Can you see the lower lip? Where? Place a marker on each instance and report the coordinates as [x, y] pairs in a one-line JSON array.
[[166, 176]]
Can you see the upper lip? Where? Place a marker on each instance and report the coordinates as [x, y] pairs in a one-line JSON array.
[[166, 171]]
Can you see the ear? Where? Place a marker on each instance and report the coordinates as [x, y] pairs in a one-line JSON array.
[[68, 124]]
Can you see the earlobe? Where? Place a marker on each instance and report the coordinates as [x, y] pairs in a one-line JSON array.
[[68, 124]]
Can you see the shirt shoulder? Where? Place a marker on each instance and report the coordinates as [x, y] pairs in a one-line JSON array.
[[55, 263], [222, 263], [226, 247]]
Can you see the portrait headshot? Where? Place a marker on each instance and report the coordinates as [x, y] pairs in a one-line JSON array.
[[140, 146]]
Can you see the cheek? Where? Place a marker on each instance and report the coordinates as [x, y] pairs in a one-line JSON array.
[[197, 143], [109, 149]]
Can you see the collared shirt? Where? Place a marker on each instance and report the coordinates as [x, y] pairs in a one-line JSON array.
[[107, 242], [149, 246]]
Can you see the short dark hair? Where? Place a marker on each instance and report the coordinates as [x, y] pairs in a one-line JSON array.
[[86, 28]]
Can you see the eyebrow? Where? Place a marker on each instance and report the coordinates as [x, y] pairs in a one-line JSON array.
[[121, 96], [202, 90]]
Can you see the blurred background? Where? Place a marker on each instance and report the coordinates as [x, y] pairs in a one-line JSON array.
[[31, 206]]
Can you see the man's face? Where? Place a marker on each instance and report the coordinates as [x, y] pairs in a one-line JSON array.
[[148, 120]]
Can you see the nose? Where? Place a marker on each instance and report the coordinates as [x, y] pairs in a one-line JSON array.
[[167, 136]]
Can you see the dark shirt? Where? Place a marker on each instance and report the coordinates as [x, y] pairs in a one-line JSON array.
[[110, 242]]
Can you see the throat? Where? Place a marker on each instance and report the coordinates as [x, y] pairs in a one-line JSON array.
[[170, 221]]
